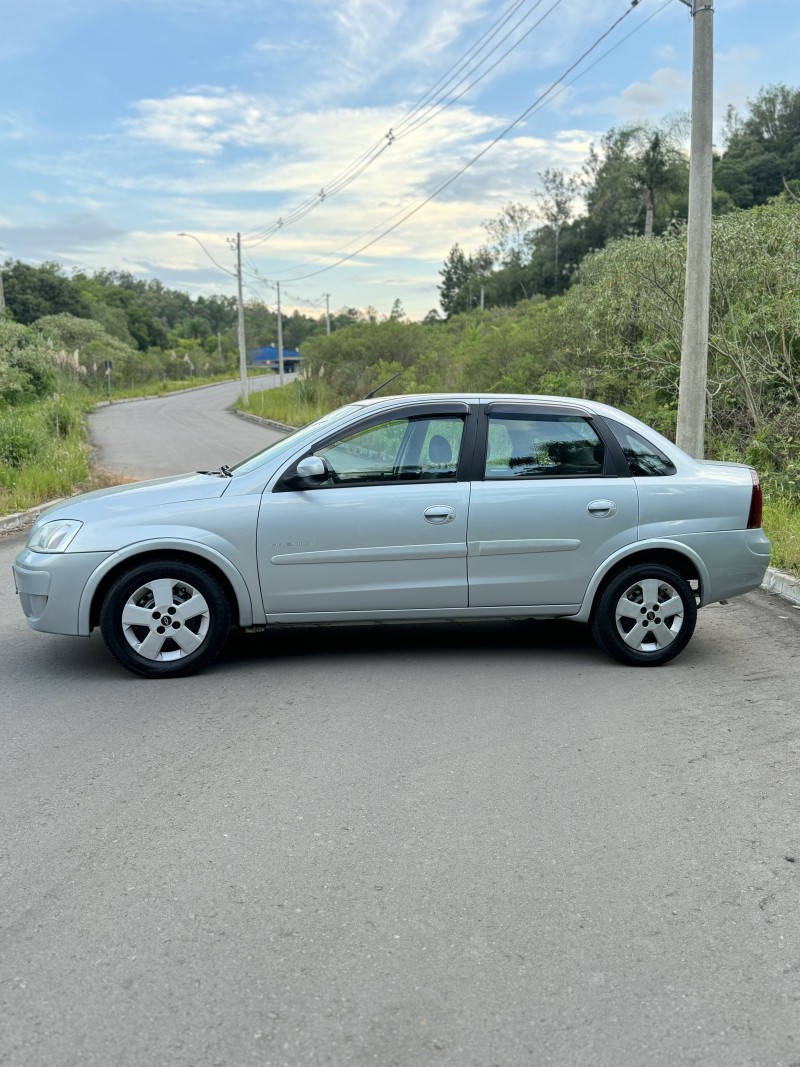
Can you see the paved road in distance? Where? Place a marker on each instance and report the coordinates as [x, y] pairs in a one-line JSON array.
[[173, 434]]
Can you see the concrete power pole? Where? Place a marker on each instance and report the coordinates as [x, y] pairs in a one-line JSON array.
[[694, 346], [242, 345], [327, 313]]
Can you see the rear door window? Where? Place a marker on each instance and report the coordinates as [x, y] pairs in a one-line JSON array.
[[542, 446]]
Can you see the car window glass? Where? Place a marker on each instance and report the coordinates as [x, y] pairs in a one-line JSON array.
[[287, 444], [416, 449], [644, 459], [542, 446]]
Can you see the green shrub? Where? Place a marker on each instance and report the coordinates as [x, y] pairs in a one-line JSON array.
[[22, 440]]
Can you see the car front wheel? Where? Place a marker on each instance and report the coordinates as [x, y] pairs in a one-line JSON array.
[[165, 618], [645, 615]]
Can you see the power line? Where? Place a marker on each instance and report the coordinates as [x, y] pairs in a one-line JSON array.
[[448, 103], [407, 214], [367, 158], [539, 107], [563, 88]]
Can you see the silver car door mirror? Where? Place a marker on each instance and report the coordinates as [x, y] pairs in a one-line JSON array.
[[311, 469]]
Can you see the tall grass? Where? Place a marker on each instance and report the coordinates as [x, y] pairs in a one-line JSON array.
[[43, 452], [782, 527], [294, 404]]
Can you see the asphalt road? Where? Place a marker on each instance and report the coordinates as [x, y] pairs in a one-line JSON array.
[[473, 845], [173, 434]]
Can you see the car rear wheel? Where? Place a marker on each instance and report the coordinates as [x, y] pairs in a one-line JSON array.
[[645, 615], [165, 618]]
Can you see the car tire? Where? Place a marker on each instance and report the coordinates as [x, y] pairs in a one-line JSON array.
[[165, 618], [645, 615]]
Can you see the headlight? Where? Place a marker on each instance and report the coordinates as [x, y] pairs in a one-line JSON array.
[[54, 536]]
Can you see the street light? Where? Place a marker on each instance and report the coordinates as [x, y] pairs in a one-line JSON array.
[[237, 274]]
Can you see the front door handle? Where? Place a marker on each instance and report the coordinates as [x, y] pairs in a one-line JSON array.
[[439, 514], [602, 508]]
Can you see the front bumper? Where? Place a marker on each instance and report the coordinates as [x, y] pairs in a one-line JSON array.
[[50, 585]]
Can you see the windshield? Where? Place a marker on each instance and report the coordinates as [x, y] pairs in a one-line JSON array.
[[290, 442]]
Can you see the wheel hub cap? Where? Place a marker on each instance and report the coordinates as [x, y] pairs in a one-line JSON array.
[[165, 619]]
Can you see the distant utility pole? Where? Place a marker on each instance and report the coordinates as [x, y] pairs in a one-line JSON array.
[[242, 344], [3, 297], [697, 294], [237, 274], [327, 312], [280, 337]]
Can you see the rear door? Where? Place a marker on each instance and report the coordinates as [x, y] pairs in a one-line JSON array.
[[548, 506]]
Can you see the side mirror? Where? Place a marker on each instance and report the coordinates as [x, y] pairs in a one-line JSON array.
[[311, 469]]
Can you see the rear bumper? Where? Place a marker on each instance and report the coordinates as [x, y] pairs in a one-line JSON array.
[[736, 561]]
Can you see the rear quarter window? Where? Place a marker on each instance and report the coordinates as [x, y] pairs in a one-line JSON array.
[[643, 458]]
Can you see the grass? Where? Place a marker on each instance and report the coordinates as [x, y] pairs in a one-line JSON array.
[[782, 527], [43, 453], [285, 405]]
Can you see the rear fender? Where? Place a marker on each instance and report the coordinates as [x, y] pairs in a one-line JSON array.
[[629, 554]]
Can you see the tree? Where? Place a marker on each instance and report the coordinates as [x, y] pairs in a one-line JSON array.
[[660, 165], [32, 292], [556, 203], [455, 274], [510, 234], [636, 180], [762, 150]]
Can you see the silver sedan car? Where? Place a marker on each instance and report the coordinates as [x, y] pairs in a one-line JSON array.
[[410, 507]]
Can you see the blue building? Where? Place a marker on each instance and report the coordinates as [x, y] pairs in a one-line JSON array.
[[267, 356]]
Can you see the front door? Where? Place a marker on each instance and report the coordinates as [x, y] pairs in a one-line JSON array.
[[384, 529]]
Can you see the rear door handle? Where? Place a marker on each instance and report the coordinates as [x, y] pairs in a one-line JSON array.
[[439, 514], [602, 508]]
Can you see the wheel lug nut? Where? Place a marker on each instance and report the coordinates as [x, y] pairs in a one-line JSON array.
[[156, 614], [176, 626], [160, 629]]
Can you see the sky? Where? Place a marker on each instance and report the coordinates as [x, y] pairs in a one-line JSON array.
[[313, 127]]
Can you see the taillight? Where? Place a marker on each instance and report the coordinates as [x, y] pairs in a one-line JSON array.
[[756, 504]]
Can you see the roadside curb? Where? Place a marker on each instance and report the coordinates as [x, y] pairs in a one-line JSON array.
[[21, 519], [785, 585], [158, 396], [270, 424]]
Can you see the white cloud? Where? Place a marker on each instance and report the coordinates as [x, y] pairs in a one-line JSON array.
[[202, 121], [667, 90], [15, 126]]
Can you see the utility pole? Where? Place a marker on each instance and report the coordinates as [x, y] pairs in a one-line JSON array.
[[280, 337], [697, 294], [327, 313], [242, 345], [237, 274], [3, 297]]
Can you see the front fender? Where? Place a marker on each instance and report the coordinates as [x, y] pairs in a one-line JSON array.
[[248, 616], [631, 552]]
